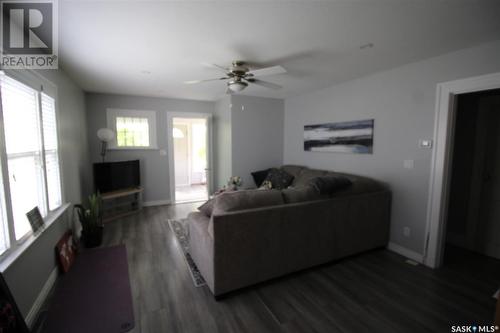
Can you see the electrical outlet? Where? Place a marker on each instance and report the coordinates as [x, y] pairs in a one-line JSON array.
[[406, 232]]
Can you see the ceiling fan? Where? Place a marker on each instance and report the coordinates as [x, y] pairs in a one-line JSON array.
[[239, 75]]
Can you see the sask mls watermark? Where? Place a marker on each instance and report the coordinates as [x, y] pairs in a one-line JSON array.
[[28, 35]]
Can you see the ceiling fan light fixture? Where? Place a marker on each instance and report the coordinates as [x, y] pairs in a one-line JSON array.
[[236, 86]]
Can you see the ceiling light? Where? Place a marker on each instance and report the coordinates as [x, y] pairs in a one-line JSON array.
[[237, 85]]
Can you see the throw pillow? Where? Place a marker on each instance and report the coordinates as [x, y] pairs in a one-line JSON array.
[[329, 184], [259, 176], [301, 194], [279, 178], [207, 207]]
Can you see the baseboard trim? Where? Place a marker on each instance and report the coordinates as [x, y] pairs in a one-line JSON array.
[[406, 252], [156, 203], [42, 296]]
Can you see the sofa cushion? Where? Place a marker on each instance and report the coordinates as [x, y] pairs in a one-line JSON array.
[[293, 170], [306, 175], [246, 199], [330, 184], [300, 194], [279, 178], [359, 185], [259, 176], [207, 207]]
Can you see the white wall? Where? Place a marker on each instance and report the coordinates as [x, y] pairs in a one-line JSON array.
[[402, 102], [154, 167], [222, 142], [257, 135]]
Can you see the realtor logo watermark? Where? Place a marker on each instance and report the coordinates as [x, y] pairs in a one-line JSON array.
[[28, 35], [473, 328]]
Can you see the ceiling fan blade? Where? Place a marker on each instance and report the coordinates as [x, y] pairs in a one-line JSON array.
[[266, 84], [268, 71], [215, 66], [200, 81]]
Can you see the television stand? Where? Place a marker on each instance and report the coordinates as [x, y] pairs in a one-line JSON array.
[[121, 203]]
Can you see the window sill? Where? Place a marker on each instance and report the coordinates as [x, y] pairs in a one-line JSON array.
[[11, 255]]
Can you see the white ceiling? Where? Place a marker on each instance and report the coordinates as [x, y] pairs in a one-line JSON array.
[[150, 48]]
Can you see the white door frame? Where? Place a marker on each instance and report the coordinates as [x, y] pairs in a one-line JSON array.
[[441, 160], [170, 144]]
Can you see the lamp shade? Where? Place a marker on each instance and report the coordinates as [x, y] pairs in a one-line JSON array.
[[105, 134]]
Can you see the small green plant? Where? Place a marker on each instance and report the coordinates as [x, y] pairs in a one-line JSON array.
[[91, 217]]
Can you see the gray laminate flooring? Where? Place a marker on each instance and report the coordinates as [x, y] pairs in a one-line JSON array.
[[372, 292]]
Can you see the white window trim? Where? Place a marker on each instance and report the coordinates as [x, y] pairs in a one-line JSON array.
[[112, 114], [17, 247]]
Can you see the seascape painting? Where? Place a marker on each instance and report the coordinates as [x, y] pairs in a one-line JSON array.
[[345, 137]]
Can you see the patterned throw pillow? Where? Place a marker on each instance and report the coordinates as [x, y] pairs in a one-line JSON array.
[[279, 178]]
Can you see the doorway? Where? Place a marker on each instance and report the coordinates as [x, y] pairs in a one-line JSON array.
[[447, 95], [189, 144], [473, 212]]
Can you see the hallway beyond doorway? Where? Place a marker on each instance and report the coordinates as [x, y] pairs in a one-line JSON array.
[[189, 137]]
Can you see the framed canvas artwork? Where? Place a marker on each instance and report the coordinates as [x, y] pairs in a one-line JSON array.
[[346, 137]]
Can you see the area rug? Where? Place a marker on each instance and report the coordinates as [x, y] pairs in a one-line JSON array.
[[179, 228], [94, 296]]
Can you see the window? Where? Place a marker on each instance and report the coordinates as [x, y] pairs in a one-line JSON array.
[[134, 129], [32, 156], [132, 132]]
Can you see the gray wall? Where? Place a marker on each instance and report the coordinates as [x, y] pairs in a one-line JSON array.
[[27, 275], [402, 102], [257, 135], [222, 142], [154, 167]]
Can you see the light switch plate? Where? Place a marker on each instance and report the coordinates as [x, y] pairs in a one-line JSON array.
[[163, 152], [427, 144]]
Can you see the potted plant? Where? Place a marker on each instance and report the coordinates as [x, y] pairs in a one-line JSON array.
[[91, 221]]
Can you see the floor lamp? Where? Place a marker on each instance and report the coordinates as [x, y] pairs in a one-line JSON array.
[[105, 135]]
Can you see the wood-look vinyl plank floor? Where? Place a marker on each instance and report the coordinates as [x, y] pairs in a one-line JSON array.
[[372, 292]]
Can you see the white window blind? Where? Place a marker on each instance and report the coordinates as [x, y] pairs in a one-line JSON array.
[[51, 151], [4, 226], [23, 143], [132, 132]]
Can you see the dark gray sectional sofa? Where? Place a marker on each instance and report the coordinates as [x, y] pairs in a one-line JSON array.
[[256, 235]]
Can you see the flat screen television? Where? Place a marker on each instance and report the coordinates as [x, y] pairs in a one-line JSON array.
[[113, 176]]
